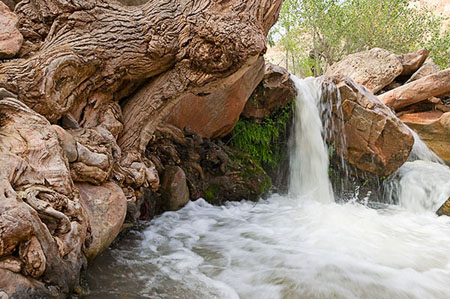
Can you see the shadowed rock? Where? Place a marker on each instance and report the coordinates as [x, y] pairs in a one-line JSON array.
[[275, 90]]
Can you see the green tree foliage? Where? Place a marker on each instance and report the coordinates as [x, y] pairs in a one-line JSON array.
[[317, 33]]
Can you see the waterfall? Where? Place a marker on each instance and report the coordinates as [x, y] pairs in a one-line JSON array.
[[309, 155], [421, 184], [303, 245]]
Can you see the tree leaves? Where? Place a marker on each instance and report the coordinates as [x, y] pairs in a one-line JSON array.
[[328, 30]]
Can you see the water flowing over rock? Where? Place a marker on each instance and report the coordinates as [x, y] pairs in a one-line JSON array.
[[88, 96], [444, 209], [375, 68], [276, 90], [376, 141], [302, 245], [433, 128], [10, 37], [214, 115]]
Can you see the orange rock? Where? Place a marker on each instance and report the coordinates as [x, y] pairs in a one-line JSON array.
[[106, 207], [434, 85], [433, 127], [10, 38], [376, 141], [215, 115], [275, 90]]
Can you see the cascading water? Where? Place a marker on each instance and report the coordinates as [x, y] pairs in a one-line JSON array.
[[309, 156], [298, 246], [423, 183]]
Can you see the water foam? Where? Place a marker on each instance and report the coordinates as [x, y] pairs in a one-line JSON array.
[[298, 246]]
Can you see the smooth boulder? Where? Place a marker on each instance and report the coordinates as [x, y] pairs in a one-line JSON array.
[[376, 141], [106, 207], [214, 115], [275, 91], [427, 69], [174, 189], [434, 85], [433, 127], [375, 68], [411, 62]]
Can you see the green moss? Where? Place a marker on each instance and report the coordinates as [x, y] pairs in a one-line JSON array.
[[261, 140], [210, 194]]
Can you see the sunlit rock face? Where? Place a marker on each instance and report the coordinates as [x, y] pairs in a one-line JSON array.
[[375, 68], [376, 141]]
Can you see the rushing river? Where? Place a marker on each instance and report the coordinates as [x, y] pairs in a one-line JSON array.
[[303, 245]]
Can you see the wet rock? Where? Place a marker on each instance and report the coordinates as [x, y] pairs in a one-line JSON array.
[[213, 170], [10, 38], [174, 188], [433, 127], [214, 115], [275, 90], [106, 207], [375, 68], [376, 141], [444, 210]]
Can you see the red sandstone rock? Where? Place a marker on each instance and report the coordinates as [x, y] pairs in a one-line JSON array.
[[106, 207], [275, 90], [10, 37], [433, 127], [215, 115], [413, 61], [376, 140], [433, 85]]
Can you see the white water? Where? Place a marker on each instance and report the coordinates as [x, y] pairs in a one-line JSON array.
[[309, 164], [299, 246], [423, 183]]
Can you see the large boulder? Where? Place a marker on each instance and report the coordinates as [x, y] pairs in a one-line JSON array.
[[275, 90], [10, 38], [106, 207], [376, 141], [433, 127], [375, 68], [174, 189], [214, 115]]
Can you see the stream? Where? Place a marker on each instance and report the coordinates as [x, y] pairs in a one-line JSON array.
[[300, 245]]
